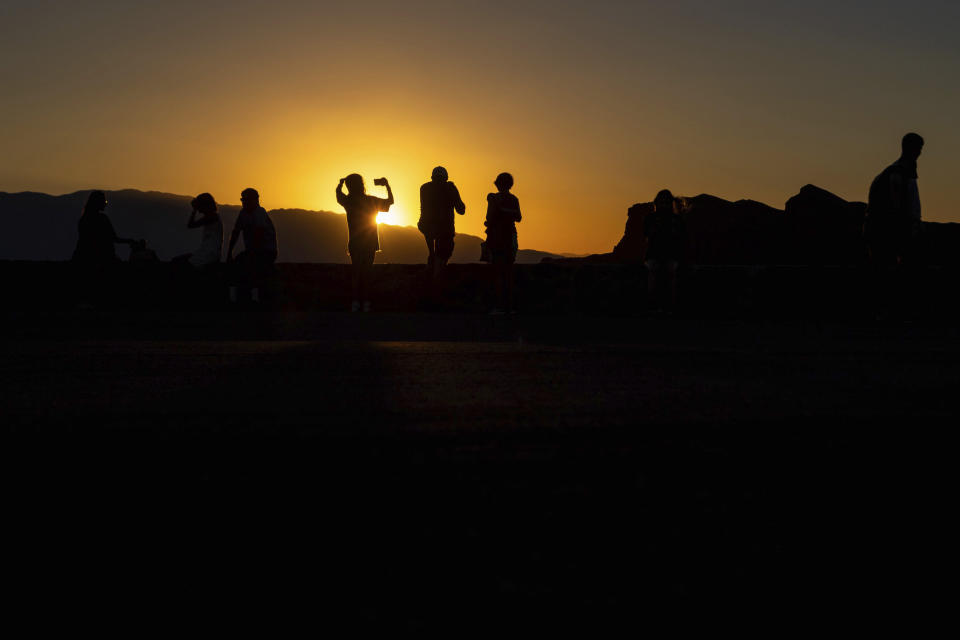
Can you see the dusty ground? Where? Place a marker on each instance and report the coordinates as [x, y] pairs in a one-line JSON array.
[[415, 470]]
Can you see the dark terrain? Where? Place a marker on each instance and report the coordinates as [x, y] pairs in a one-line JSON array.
[[453, 470]]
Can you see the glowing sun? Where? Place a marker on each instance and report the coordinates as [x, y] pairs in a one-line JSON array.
[[394, 216]]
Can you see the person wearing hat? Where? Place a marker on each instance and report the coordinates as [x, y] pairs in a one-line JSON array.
[[439, 198], [503, 214]]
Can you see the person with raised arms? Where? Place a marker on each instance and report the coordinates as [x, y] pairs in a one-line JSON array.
[[364, 239]]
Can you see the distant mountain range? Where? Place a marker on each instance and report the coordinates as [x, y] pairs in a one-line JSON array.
[[38, 226]]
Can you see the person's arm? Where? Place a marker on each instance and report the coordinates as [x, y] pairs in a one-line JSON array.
[[458, 204], [233, 238], [117, 239], [512, 212], [389, 201], [341, 196], [193, 223], [491, 218]]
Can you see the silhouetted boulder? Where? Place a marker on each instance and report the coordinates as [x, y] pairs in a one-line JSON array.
[[630, 247], [940, 244], [724, 232], [718, 231], [823, 228]]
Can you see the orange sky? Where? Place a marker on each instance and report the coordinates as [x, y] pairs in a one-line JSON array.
[[592, 106]]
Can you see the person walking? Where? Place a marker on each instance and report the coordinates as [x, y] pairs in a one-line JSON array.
[[893, 221], [439, 198]]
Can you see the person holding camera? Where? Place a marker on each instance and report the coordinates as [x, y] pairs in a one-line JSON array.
[[439, 198], [364, 240]]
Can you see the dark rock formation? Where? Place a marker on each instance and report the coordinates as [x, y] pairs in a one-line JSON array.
[[816, 227], [823, 228]]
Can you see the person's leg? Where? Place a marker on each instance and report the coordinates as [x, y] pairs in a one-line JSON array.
[[444, 250], [502, 267], [496, 271], [431, 252], [672, 277], [366, 275], [652, 293], [355, 267]]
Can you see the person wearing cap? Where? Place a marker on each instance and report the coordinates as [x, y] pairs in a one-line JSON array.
[[503, 214], [439, 198]]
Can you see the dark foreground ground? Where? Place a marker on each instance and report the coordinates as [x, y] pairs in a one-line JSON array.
[[465, 472]]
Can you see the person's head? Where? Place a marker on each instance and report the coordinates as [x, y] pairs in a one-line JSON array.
[[205, 204], [96, 202], [503, 182], [355, 185], [912, 145], [249, 199], [665, 202], [439, 175]]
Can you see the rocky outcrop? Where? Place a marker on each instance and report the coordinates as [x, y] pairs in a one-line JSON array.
[[823, 228], [815, 227]]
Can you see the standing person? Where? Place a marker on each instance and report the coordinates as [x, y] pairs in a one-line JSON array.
[[665, 240], [259, 244], [211, 239], [893, 223], [503, 214], [439, 198], [364, 240]]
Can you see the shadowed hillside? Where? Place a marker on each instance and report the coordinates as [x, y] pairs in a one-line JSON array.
[[44, 227]]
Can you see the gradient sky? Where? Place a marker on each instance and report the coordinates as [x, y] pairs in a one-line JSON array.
[[591, 105]]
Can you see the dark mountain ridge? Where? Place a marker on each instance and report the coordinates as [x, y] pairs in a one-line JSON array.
[[44, 227]]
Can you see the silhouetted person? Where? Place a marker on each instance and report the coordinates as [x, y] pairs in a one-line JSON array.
[[211, 238], [259, 244], [503, 214], [96, 237], [893, 224], [364, 239], [439, 198], [665, 240], [95, 254]]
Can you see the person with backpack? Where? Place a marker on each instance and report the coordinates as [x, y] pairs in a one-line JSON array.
[[364, 238], [259, 244], [893, 220], [665, 238], [439, 198], [503, 214]]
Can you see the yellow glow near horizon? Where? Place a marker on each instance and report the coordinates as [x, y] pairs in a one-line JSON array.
[[395, 216]]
